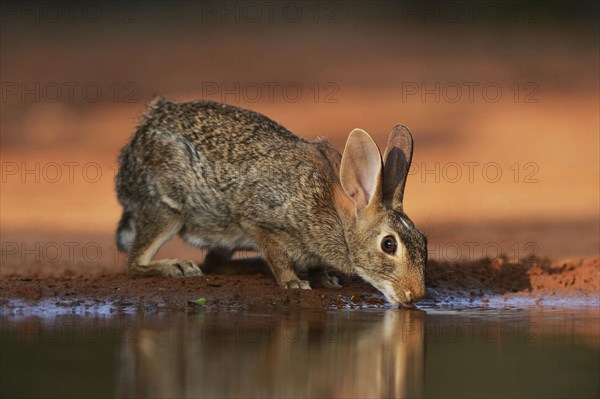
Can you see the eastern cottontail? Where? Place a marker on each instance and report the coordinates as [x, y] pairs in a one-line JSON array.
[[226, 179]]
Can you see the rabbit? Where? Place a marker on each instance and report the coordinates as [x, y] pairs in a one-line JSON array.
[[226, 178]]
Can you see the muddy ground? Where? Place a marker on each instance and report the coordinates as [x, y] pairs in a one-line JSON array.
[[536, 280]]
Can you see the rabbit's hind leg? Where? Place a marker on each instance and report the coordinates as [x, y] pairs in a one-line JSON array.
[[152, 232]]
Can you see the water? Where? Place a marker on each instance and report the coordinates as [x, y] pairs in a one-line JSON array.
[[344, 354]]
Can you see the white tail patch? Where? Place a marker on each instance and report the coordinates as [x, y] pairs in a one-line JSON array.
[[126, 237]]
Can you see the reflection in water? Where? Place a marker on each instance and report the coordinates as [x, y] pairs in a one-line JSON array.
[[251, 355], [470, 353]]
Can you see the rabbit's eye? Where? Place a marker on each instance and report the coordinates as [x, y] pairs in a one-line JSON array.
[[389, 245]]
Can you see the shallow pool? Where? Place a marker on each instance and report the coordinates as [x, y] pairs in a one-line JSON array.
[[431, 352]]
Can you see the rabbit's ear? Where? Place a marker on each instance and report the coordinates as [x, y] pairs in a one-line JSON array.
[[397, 158], [361, 169]]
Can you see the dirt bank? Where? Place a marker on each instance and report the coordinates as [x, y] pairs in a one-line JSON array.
[[470, 282]]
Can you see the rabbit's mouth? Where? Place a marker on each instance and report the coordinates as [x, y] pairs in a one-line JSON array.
[[392, 296], [394, 300], [389, 293], [385, 287], [408, 303]]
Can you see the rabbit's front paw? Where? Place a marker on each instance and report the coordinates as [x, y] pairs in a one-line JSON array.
[[319, 277], [179, 268], [296, 284], [329, 282]]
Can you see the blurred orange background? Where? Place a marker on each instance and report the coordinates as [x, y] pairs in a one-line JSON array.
[[502, 100]]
